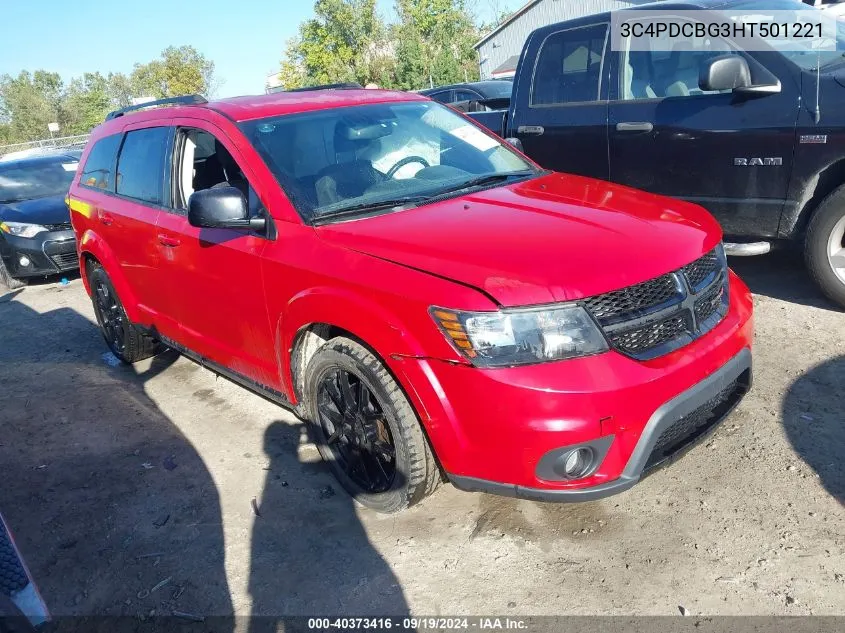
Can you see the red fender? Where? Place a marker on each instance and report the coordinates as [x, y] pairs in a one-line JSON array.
[[94, 246]]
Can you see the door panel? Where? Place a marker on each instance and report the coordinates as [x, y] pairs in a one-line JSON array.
[[214, 285], [730, 153], [129, 222], [563, 126]]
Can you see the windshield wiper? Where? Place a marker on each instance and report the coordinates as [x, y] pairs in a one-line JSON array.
[[366, 207], [489, 179]]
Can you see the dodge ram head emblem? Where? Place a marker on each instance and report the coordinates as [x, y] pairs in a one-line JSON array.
[[775, 161]]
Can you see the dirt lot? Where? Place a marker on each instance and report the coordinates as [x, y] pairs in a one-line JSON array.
[[133, 490]]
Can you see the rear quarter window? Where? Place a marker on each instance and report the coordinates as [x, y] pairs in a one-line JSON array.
[[97, 172]]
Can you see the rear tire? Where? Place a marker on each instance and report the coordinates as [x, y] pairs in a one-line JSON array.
[[366, 430], [12, 283], [124, 339]]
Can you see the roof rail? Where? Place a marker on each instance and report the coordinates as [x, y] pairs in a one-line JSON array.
[[351, 85], [182, 100]]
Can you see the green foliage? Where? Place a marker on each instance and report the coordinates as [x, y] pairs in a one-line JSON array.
[[30, 101], [344, 41], [348, 41], [179, 71]]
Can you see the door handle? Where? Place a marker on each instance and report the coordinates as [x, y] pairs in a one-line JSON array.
[[106, 219], [634, 126], [166, 240], [531, 130]]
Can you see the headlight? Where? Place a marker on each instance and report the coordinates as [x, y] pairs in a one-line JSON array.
[[521, 337], [21, 229]]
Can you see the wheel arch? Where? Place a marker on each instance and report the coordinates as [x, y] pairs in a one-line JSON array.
[[312, 317], [794, 223], [92, 248]]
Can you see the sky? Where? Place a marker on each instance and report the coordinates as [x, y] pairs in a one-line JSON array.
[[244, 38]]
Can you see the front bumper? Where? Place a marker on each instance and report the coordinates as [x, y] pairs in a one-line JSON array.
[[48, 253], [734, 376], [495, 430]]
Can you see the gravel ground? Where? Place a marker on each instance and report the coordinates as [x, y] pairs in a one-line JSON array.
[[161, 487]]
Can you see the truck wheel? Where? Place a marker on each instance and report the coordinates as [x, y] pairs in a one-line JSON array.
[[7, 280], [124, 339], [366, 429], [825, 246]]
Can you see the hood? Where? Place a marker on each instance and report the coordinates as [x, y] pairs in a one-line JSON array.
[[52, 210], [551, 239]]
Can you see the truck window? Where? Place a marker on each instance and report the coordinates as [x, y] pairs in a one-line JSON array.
[[670, 69], [569, 67]]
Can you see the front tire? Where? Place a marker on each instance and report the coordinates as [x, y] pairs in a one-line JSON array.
[[825, 246], [12, 283], [124, 339], [365, 428]]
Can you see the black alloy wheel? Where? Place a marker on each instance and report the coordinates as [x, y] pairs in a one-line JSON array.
[[110, 316], [366, 429], [356, 430]]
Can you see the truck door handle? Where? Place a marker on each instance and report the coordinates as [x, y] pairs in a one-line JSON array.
[[166, 240], [530, 130], [106, 219], [634, 126]]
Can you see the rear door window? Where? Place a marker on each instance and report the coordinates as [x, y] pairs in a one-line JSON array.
[[444, 96], [97, 172], [569, 67], [466, 95], [141, 165]]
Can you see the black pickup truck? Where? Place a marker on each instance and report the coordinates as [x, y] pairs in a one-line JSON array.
[[756, 137]]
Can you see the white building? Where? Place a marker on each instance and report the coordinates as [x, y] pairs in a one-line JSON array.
[[498, 52]]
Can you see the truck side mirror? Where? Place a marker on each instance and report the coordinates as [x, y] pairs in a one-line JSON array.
[[731, 72], [516, 143], [726, 72], [221, 208]]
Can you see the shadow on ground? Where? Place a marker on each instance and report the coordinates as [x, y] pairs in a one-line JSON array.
[[781, 275], [311, 556], [117, 513], [816, 430], [107, 498]]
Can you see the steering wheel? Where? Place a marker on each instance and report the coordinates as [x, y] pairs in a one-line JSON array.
[[406, 161]]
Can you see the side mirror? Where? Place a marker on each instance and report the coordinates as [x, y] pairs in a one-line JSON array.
[[222, 208], [516, 143], [731, 72]]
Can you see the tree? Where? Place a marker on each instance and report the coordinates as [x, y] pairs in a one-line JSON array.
[[29, 102], [436, 40], [85, 104], [345, 41], [179, 71]]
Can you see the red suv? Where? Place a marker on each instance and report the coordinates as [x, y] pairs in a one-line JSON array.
[[436, 305]]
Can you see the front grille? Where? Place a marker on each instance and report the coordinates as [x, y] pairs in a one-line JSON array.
[[654, 334], [710, 302], [658, 316], [65, 226], [65, 261], [634, 298], [692, 427], [700, 272]]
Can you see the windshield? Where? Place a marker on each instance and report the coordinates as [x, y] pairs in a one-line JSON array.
[[359, 157], [499, 89], [808, 57], [25, 181]]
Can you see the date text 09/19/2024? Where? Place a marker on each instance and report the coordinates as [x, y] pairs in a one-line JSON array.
[[418, 623]]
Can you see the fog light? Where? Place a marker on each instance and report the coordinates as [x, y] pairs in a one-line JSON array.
[[578, 463], [23, 260]]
